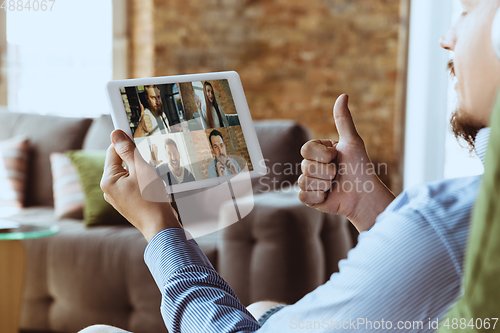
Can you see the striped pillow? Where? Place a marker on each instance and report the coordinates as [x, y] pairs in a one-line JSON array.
[[68, 193], [13, 173]]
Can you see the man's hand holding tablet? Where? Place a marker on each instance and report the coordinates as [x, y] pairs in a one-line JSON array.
[[122, 189]]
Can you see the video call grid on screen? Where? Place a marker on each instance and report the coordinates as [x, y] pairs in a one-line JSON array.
[[176, 134]]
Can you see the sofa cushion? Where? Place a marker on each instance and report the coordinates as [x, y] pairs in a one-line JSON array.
[[69, 198], [97, 137], [90, 166], [84, 276], [47, 134], [13, 172]]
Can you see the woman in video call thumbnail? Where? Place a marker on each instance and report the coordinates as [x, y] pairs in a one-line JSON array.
[[216, 117]]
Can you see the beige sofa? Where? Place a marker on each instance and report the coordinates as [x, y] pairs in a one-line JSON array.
[[88, 275]]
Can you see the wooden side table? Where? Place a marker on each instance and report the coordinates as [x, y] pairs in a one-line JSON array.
[[12, 269]]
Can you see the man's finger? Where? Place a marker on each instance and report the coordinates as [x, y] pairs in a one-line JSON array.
[[312, 198], [314, 184], [323, 151], [124, 147], [343, 119], [113, 163], [318, 170], [112, 167]]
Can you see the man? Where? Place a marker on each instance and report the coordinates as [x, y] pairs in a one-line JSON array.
[[153, 119], [172, 172], [406, 268], [222, 164]]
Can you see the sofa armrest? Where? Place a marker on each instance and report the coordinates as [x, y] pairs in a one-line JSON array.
[[282, 250]]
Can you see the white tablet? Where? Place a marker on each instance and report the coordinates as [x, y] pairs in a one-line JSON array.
[[195, 130]]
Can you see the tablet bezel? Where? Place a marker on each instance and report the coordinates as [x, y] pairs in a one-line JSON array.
[[120, 119]]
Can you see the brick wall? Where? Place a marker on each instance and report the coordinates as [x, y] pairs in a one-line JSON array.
[[241, 146], [203, 150], [294, 59], [188, 99], [141, 31]]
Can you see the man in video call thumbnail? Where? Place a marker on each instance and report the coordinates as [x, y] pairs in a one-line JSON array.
[[222, 165], [171, 172], [153, 119]]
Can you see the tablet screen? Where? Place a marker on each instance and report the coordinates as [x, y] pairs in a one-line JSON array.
[[187, 131]]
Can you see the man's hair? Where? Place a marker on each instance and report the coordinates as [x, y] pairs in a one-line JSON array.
[[215, 133], [170, 142], [151, 86]]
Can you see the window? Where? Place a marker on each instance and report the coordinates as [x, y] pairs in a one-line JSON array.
[[59, 61], [431, 151]]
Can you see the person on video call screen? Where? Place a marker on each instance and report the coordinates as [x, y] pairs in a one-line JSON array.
[[222, 165], [216, 117], [153, 119], [172, 172]]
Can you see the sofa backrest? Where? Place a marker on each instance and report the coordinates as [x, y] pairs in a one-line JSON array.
[[280, 141], [47, 134]]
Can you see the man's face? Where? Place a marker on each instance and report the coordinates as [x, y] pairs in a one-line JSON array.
[[476, 65], [154, 100], [218, 146], [173, 157]]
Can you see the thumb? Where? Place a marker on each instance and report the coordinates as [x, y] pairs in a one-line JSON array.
[[124, 147], [343, 119]]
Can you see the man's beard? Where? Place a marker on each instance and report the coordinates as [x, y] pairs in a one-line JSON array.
[[156, 110], [464, 127], [462, 124]]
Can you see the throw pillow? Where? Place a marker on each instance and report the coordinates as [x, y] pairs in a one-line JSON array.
[[68, 193], [90, 166], [13, 173]]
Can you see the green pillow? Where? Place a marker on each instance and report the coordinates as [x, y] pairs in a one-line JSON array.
[[90, 166], [480, 302]]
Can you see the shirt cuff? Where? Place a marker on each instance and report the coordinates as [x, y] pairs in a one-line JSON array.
[[170, 250]]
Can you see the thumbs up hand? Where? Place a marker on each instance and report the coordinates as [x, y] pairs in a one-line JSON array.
[[338, 177]]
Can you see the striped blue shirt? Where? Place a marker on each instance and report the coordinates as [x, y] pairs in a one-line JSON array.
[[404, 273]]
